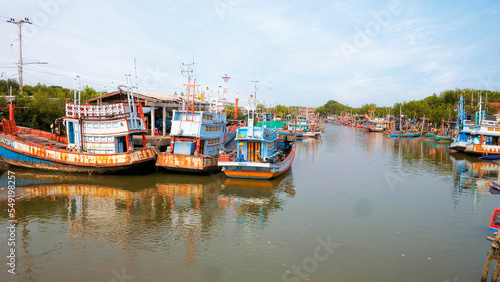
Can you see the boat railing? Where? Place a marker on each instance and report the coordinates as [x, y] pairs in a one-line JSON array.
[[95, 111], [218, 118]]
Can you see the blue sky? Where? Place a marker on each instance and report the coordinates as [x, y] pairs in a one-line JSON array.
[[302, 52]]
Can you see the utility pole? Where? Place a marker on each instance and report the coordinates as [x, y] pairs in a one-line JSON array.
[[20, 67]]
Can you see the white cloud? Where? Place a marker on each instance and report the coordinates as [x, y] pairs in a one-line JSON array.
[[289, 46]]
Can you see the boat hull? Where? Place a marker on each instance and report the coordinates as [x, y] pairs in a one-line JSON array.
[[23, 154], [375, 129], [458, 146], [405, 135], [478, 149], [256, 170], [188, 163], [285, 132], [443, 139]]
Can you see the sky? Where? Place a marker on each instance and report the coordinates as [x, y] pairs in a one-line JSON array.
[[300, 52]]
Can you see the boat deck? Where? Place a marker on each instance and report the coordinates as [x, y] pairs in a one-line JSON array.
[[42, 140]]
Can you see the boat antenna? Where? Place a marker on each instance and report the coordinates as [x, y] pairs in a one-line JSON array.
[[135, 70], [79, 90], [74, 91], [190, 91], [130, 95], [251, 107], [480, 108], [255, 92]]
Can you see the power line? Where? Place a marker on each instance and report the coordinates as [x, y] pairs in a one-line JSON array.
[[101, 44]]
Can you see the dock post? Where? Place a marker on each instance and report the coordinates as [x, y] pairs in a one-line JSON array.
[[153, 125], [164, 121], [495, 246]]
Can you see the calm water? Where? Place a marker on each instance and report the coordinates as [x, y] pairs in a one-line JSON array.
[[355, 207]]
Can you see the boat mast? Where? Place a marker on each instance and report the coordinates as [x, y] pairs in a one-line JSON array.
[[251, 107], [190, 91], [480, 108], [400, 125], [131, 103]]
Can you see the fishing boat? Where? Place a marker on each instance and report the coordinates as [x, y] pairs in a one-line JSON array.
[[196, 137], [99, 140], [259, 153], [485, 137], [495, 220], [444, 133], [301, 128], [463, 129], [430, 134], [443, 138], [400, 131], [404, 134], [376, 125]]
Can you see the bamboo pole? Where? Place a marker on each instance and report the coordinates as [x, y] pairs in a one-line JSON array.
[[494, 249], [496, 273]]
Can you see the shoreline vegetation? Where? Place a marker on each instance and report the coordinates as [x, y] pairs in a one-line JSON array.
[[435, 107], [41, 105]]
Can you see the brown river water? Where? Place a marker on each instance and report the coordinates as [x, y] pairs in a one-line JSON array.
[[355, 206]]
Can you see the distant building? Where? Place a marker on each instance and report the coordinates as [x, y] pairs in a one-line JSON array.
[[310, 112], [151, 102]]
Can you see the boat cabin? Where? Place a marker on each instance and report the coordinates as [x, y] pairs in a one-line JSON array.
[[197, 132], [102, 129], [256, 143]]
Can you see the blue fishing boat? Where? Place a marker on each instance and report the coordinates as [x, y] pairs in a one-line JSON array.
[[400, 131], [463, 128], [99, 140], [493, 157], [495, 220], [484, 138], [404, 134], [196, 137], [259, 153]]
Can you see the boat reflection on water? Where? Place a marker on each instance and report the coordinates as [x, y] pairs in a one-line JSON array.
[[256, 197], [307, 150], [408, 151], [161, 207], [472, 176]]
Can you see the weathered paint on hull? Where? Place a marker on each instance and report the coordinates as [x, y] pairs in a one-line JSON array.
[[22, 154], [478, 149], [252, 174], [188, 163], [260, 172]]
